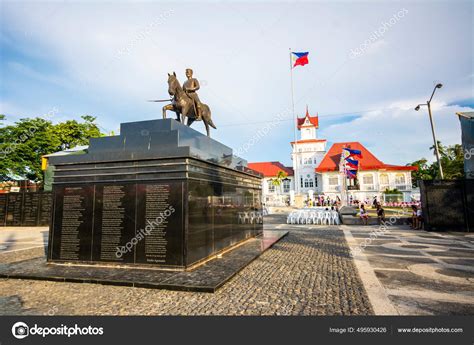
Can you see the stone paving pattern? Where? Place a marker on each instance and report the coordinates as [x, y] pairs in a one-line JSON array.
[[422, 273], [309, 272]]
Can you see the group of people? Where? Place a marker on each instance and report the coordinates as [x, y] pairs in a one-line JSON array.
[[416, 218], [322, 200], [364, 214]]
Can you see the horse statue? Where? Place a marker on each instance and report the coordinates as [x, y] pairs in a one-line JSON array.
[[184, 106]]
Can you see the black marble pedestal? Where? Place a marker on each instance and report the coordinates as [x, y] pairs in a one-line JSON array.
[[158, 195]]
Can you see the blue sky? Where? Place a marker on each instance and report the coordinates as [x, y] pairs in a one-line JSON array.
[[107, 58]]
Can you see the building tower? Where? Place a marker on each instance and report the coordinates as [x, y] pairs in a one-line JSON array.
[[307, 153]]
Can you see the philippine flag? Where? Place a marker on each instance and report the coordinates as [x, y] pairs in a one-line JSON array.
[[352, 163], [351, 173], [300, 59], [353, 153]]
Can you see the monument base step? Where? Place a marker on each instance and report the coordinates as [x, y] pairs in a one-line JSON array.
[[206, 278]]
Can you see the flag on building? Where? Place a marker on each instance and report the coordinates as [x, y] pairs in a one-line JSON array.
[[299, 59]]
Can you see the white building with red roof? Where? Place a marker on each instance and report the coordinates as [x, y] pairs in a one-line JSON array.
[[306, 155], [279, 193], [316, 171], [373, 176]]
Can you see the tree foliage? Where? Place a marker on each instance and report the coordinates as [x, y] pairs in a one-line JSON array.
[[23, 143], [452, 161]]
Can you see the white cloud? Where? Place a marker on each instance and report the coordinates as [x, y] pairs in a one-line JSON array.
[[400, 135], [114, 56]]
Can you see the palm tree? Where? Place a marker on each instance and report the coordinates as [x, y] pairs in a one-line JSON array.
[[277, 180]]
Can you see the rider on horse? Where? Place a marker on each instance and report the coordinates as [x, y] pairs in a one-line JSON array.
[[190, 86]]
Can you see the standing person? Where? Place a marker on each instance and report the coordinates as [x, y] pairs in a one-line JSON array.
[[375, 202], [364, 215], [419, 219], [414, 211], [380, 214]]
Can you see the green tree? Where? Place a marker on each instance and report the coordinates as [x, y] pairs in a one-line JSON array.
[[72, 133], [452, 161], [278, 179], [424, 172], [21, 147], [23, 143]]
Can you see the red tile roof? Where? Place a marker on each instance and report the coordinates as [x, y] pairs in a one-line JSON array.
[[270, 169], [312, 119], [332, 158]]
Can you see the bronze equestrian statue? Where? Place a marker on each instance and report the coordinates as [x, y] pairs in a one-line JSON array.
[[186, 103]]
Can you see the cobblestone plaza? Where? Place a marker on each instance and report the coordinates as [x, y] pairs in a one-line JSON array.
[[309, 272]]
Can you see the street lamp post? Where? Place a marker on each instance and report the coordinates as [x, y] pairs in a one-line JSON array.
[[428, 103]]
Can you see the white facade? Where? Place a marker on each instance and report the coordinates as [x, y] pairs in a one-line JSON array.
[[371, 183], [273, 195], [307, 154]]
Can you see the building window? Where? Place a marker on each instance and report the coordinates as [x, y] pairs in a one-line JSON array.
[[384, 179], [301, 181], [311, 184], [271, 187], [400, 179], [315, 181], [368, 179], [333, 181], [286, 185]]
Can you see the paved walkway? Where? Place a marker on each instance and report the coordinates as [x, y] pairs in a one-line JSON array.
[[417, 272], [309, 272]]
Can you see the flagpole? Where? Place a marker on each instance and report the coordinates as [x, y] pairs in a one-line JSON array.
[[294, 125]]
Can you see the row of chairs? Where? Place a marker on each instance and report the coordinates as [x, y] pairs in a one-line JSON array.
[[313, 217], [250, 218]]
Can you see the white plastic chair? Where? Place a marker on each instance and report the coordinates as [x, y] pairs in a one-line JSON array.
[[241, 218], [301, 219], [319, 217], [252, 217], [327, 217], [335, 217], [291, 218], [246, 218]]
